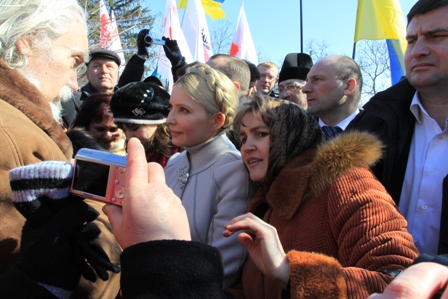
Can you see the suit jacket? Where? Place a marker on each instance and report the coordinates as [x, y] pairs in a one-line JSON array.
[[29, 134], [217, 189], [341, 230]]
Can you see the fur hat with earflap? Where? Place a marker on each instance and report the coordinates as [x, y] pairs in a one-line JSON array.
[[140, 103]]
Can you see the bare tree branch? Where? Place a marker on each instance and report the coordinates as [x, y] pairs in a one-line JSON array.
[[317, 49], [221, 35], [373, 59], [131, 17]]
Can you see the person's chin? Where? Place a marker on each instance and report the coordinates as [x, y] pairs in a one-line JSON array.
[[65, 94], [106, 84], [257, 177]]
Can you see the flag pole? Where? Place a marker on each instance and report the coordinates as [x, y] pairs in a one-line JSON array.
[[301, 28], [354, 51]]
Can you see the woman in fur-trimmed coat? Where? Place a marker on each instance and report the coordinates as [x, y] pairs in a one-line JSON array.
[[329, 228]]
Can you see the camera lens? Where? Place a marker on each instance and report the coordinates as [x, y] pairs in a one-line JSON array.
[[148, 40]]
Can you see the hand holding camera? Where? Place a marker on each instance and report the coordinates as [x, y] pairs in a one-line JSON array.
[[151, 40], [150, 209], [99, 175], [172, 52]]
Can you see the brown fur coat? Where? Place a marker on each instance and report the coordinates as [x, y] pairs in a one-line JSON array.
[[336, 222], [29, 134]]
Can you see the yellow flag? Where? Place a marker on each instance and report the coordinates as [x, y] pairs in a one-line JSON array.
[[211, 7], [379, 19]]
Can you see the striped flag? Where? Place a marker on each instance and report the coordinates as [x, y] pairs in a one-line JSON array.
[[242, 45], [171, 28], [383, 19], [194, 26], [109, 37], [211, 7]]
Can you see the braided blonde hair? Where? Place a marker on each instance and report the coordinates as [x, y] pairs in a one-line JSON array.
[[213, 90]]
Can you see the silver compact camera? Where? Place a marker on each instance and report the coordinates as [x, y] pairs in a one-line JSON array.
[[151, 40], [99, 175]]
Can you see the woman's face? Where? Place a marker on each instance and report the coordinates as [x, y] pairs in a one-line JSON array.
[[143, 133], [105, 133], [255, 143], [190, 124]]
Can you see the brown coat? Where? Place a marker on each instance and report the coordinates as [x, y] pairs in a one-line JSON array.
[[29, 134], [336, 222]]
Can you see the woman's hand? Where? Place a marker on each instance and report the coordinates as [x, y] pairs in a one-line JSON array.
[[262, 243], [150, 211]]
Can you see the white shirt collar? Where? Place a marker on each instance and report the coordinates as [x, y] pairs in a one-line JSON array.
[[344, 123], [417, 108]]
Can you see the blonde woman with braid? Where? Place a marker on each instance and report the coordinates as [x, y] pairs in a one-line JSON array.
[[209, 176]]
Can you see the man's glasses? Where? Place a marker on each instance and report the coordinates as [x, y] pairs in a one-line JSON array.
[[290, 87]]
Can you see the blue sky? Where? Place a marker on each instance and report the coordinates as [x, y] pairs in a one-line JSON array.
[[275, 24]]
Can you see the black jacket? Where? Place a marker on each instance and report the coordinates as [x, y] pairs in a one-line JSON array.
[[155, 269], [388, 115], [133, 72]]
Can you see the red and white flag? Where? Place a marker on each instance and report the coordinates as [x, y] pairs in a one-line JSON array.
[[109, 37], [194, 26], [242, 44], [171, 28]]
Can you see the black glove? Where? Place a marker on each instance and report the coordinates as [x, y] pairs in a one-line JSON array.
[[59, 240], [141, 44], [172, 52]]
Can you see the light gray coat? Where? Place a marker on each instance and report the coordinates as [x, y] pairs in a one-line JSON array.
[[214, 186]]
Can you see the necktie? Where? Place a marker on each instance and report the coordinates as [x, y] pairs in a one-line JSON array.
[[330, 132]]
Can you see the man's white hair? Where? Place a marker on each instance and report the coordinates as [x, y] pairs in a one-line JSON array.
[[39, 21]]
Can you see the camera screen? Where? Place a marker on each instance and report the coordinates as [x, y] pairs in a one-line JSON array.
[[91, 177]]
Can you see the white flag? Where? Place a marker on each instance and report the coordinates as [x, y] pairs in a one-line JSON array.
[[242, 44], [171, 28], [109, 37], [194, 26]]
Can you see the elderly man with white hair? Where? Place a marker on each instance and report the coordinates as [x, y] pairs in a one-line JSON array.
[[42, 43]]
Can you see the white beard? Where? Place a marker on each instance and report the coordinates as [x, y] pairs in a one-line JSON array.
[[56, 109], [64, 95]]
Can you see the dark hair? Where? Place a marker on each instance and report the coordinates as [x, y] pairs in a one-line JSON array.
[[95, 108], [80, 138], [259, 104], [425, 6], [160, 141], [254, 72], [292, 131], [183, 70]]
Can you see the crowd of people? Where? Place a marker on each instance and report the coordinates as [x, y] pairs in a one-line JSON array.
[[244, 182]]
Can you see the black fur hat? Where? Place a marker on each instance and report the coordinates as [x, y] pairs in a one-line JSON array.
[[140, 103], [295, 66]]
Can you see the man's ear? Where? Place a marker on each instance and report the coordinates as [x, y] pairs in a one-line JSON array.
[[23, 46], [350, 87], [218, 120], [237, 85]]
